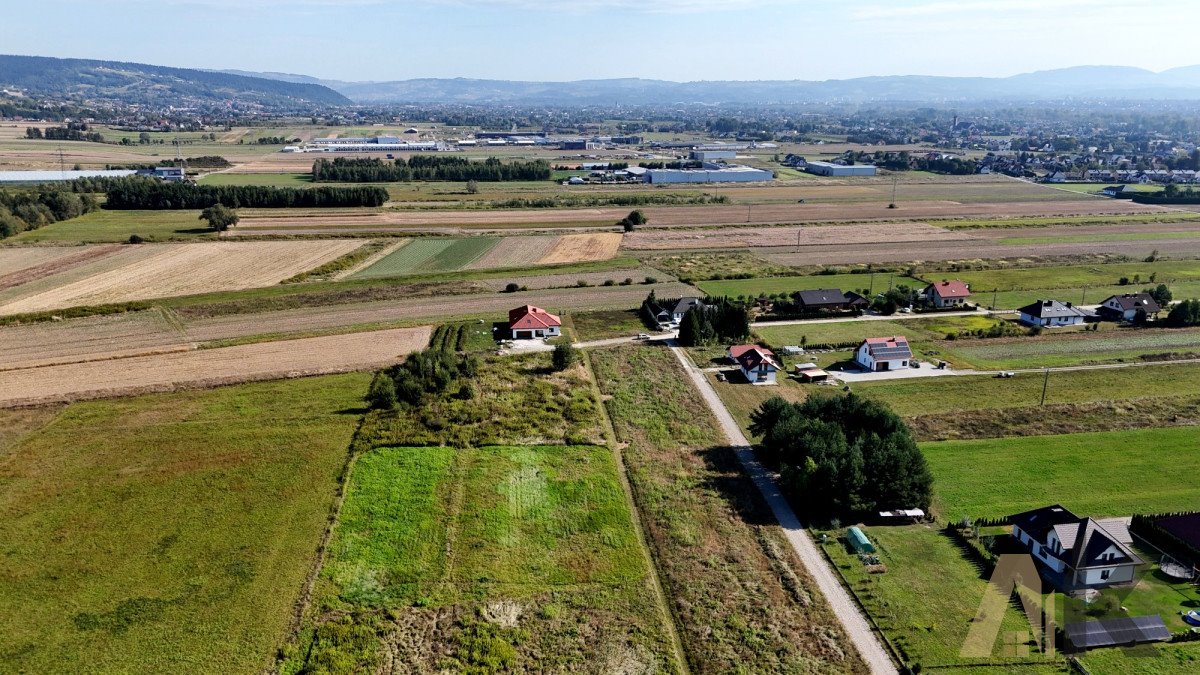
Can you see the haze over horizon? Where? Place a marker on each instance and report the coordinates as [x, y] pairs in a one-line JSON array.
[[678, 40]]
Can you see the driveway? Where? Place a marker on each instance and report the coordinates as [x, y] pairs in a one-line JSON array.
[[847, 612]]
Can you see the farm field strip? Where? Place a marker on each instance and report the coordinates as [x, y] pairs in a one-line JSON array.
[[794, 237], [14, 260], [449, 255], [1069, 350], [208, 367], [566, 280], [1077, 276], [773, 285], [372, 259], [84, 339], [169, 532], [572, 248], [514, 252], [1111, 473], [182, 269]]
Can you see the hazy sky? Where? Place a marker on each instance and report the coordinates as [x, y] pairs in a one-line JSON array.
[[578, 39]]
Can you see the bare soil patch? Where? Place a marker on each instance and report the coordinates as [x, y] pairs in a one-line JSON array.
[[748, 237], [574, 248], [210, 367]]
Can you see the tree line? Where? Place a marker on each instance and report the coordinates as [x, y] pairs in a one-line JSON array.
[[70, 132], [147, 193], [426, 168], [1171, 194], [718, 321], [30, 209], [842, 455]]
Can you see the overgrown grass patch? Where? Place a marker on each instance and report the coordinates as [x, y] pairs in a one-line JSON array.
[[741, 599], [601, 325], [866, 284], [168, 532], [106, 226]]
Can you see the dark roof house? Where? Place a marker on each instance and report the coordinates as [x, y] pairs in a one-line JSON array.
[[1077, 553], [828, 298]]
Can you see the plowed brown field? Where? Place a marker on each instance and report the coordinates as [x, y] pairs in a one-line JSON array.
[[583, 248], [210, 367]]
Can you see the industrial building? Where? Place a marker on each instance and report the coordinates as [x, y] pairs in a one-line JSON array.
[[710, 155], [374, 144], [711, 173], [49, 176], [831, 169]]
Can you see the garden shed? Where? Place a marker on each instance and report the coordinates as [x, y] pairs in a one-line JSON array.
[[858, 541]]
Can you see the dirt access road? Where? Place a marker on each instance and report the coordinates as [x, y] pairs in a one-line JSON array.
[[852, 620]]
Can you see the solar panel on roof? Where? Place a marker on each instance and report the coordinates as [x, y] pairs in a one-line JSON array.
[[1123, 630]]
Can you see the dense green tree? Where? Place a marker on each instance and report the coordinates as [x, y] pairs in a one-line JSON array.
[[1186, 313], [382, 393], [564, 356], [219, 217]]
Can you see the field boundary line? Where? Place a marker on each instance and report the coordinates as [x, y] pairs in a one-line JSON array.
[[371, 259], [853, 623], [654, 577]]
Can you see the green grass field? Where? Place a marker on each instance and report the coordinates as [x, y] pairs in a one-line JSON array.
[[927, 598], [876, 283], [929, 396], [1075, 276], [168, 532], [1157, 659], [429, 255], [602, 325], [1090, 238], [300, 180], [1090, 188], [1073, 349], [105, 226], [1097, 474]]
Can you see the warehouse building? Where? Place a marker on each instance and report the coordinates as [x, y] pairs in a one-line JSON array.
[[831, 169], [711, 173], [710, 155], [54, 176]]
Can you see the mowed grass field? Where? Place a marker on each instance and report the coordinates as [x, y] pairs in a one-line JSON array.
[[862, 283], [939, 395], [1100, 474], [105, 226], [170, 532], [1068, 349]]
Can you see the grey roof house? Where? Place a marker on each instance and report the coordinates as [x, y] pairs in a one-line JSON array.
[[1125, 307], [1076, 553], [1048, 313]]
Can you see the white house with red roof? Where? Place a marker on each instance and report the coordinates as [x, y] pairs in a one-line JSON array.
[[884, 353], [947, 293], [758, 364], [531, 323]]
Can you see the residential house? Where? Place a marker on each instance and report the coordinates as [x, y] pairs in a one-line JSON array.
[[883, 353], [1118, 191], [947, 293], [1125, 307], [1077, 553], [758, 364], [829, 299], [683, 306], [1050, 313], [531, 323]]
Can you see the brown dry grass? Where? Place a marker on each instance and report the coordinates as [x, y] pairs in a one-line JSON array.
[[573, 248], [210, 367], [183, 269], [744, 237]]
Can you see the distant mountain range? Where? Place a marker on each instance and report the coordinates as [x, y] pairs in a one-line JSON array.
[[91, 80], [1080, 82]]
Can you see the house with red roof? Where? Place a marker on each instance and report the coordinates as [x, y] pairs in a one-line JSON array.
[[758, 364], [531, 323], [884, 353], [947, 293]]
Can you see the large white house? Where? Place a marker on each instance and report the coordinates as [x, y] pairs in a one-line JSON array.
[[1049, 313], [758, 364], [1125, 307], [884, 353], [1077, 553], [530, 323]]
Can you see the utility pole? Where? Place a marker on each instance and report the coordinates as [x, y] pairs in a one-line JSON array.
[[1045, 384], [871, 290], [1083, 298], [62, 163], [748, 212], [994, 291], [893, 204]]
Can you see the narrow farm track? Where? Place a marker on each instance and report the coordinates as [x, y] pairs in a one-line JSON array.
[[865, 641]]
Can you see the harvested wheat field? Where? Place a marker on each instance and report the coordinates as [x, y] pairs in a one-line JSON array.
[[23, 265], [515, 252], [760, 237], [210, 367], [164, 270], [573, 248], [90, 339]]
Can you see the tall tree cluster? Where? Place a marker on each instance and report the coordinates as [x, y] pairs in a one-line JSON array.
[[426, 168], [843, 455], [22, 210], [720, 320], [147, 193]]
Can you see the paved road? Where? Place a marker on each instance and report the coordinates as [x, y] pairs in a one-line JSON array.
[[847, 612]]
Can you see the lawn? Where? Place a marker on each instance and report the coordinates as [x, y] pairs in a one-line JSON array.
[[106, 226], [428, 255], [601, 325], [927, 598], [168, 532], [1067, 349], [1158, 659], [867, 284], [700, 266], [742, 601], [1114, 473], [300, 180], [929, 396], [1075, 277], [1090, 188]]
